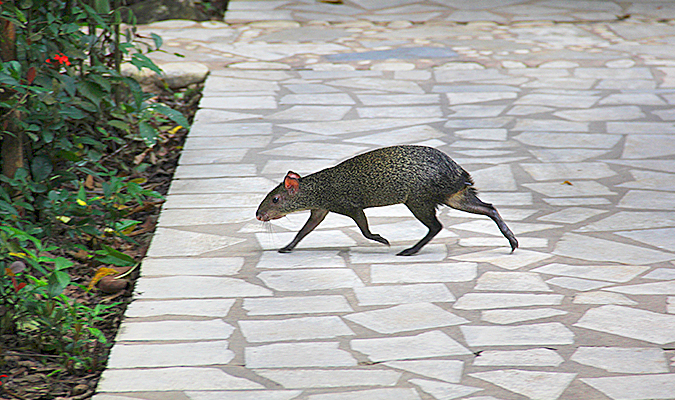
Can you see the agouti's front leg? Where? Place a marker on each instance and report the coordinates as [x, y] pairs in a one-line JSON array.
[[315, 219], [360, 218]]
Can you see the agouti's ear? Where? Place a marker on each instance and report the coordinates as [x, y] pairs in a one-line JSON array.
[[292, 182]]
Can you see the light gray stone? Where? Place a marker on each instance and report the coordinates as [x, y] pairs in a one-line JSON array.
[[519, 358], [551, 333], [574, 189], [204, 266], [478, 97], [635, 387], [593, 249], [661, 274], [442, 390], [191, 243], [642, 128], [169, 355], [633, 98], [482, 134], [406, 317], [626, 220], [568, 171], [504, 258], [294, 329], [603, 298], [369, 255], [471, 111], [511, 316], [400, 136], [403, 294], [358, 125], [572, 215], [398, 99], [661, 238], [533, 384], [318, 99], [484, 301], [180, 287], [296, 305], [629, 322], [423, 273], [564, 140], [296, 355], [548, 125], [310, 279], [300, 259], [239, 102], [317, 240], [311, 113], [495, 178], [655, 288], [623, 360], [613, 73], [400, 112], [174, 330], [370, 394], [445, 370], [171, 379], [209, 216], [244, 395], [201, 307], [565, 155], [511, 282], [558, 100], [313, 378], [646, 199], [214, 171], [617, 113], [221, 185], [425, 345], [577, 284], [650, 180]]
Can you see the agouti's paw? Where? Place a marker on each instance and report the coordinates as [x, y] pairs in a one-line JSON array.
[[380, 239], [285, 250], [408, 252]]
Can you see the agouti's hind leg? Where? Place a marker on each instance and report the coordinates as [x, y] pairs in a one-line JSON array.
[[427, 215], [315, 219], [466, 200], [362, 222]]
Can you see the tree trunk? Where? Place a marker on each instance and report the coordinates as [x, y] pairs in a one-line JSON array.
[[12, 140]]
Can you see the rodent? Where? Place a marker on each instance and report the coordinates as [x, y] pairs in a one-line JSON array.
[[420, 177]]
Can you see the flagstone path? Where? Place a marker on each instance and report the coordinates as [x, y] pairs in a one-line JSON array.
[[564, 113]]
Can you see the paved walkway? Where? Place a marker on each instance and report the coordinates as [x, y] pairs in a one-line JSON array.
[[566, 122]]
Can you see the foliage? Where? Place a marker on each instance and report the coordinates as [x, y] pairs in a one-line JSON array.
[[76, 194]]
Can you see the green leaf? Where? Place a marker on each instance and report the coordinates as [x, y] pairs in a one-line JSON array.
[[148, 133], [92, 91], [174, 115], [158, 40], [41, 167], [141, 61], [116, 123]]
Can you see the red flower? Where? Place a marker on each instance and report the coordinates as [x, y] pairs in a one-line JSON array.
[[60, 58]]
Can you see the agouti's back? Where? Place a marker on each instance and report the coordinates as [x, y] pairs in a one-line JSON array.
[[419, 177]]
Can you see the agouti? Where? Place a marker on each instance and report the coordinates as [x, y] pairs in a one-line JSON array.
[[419, 177]]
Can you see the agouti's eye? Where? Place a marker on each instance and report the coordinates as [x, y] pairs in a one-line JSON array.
[[275, 200]]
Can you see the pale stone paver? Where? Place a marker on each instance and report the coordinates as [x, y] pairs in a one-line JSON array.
[[563, 113]]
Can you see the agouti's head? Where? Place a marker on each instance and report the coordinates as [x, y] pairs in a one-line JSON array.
[[279, 201]]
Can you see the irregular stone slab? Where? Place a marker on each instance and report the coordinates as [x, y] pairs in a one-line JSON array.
[[441, 390], [371, 394], [169, 355], [213, 200], [359, 125], [659, 165], [316, 150], [663, 238], [425, 345], [618, 113], [630, 322], [577, 284], [238, 102], [585, 201], [311, 88], [633, 98], [523, 242], [558, 100], [318, 99], [576, 189], [533, 384], [550, 333], [226, 142], [297, 305], [179, 287], [402, 53], [593, 249], [496, 122], [294, 329], [214, 171], [202, 308], [548, 125], [499, 177], [643, 128], [317, 240], [447, 75], [565, 171], [511, 282], [519, 358], [300, 259], [565, 155], [507, 199], [379, 84], [174, 330], [205, 266], [423, 273], [221, 185], [370, 255], [568, 140], [625, 220], [397, 99], [210, 216], [413, 134], [191, 243], [310, 279], [295, 355], [650, 180], [171, 379], [400, 112], [244, 395], [647, 199], [311, 113], [406, 317], [572, 215], [313, 378], [403, 294], [445, 370], [646, 288], [511, 316], [603, 298], [478, 97], [483, 134], [504, 258], [635, 387], [623, 360], [483, 301], [614, 73]]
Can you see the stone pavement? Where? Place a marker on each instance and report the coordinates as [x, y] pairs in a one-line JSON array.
[[562, 112]]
